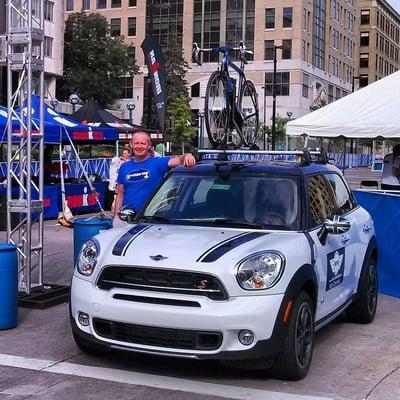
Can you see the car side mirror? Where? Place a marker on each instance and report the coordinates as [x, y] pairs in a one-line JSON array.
[[334, 226], [127, 214]]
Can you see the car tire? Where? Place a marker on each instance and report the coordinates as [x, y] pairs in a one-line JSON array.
[[294, 360], [89, 348], [363, 310]]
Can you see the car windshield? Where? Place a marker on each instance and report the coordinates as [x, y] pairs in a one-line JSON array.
[[237, 200]]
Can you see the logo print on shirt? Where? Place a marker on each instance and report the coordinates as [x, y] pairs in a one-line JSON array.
[[138, 175]]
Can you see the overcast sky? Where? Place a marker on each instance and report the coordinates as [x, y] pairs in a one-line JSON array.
[[395, 4]]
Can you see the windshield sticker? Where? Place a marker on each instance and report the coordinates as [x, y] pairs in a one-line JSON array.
[[220, 186], [335, 269]]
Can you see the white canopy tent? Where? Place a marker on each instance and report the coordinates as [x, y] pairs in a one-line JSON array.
[[371, 112]]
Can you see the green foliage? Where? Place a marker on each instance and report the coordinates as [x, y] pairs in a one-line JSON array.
[[94, 61], [182, 131], [318, 105]]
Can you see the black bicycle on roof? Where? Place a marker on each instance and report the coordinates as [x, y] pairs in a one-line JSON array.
[[231, 112]]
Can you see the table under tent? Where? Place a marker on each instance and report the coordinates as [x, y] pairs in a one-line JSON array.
[[81, 194], [371, 112]]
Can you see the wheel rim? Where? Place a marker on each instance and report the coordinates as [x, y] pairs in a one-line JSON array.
[[304, 335], [372, 289], [249, 110], [217, 110]]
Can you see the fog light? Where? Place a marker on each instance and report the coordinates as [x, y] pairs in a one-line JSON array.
[[83, 319], [246, 337]]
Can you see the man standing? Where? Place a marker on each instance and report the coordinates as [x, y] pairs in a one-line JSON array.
[[139, 177]]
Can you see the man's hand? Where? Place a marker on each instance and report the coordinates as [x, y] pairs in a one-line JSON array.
[[188, 160]]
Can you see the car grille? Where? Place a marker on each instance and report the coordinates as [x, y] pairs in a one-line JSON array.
[[160, 280], [158, 337]]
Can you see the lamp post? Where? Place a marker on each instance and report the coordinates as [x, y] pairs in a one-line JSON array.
[[54, 103], [289, 117], [130, 106], [74, 100], [149, 89], [265, 114], [273, 130]]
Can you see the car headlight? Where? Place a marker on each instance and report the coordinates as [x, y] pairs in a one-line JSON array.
[[260, 271], [87, 258]]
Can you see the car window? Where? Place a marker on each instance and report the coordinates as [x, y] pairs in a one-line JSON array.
[[342, 194], [267, 201], [321, 203]]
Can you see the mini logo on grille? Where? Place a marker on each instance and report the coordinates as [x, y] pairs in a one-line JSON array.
[[202, 284], [158, 257]]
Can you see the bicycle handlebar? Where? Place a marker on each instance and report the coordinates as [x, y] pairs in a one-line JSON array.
[[224, 49]]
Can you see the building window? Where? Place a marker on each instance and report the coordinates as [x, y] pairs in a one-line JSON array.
[[364, 58], [132, 3], [132, 26], [127, 87], [319, 34], [282, 83], [338, 93], [330, 93], [48, 47], [269, 50], [286, 49], [132, 52], [304, 19], [363, 81], [305, 85], [115, 27], [364, 17], [270, 18], [101, 4], [287, 17], [364, 39], [195, 90], [86, 5], [48, 10], [69, 6], [335, 10], [115, 3]]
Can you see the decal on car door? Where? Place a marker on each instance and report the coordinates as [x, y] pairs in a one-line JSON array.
[[335, 268]]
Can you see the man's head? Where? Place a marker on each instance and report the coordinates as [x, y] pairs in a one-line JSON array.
[[141, 144]]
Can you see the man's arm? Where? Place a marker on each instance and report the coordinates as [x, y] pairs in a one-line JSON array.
[[186, 159], [119, 199]]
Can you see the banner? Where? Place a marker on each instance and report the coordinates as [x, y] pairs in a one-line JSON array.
[[156, 66]]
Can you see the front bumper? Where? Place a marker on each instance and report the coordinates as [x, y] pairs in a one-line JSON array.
[[255, 313]]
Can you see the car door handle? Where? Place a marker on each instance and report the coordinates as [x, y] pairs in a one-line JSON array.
[[366, 228], [344, 240]]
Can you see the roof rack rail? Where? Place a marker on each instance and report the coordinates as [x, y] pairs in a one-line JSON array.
[[307, 157]]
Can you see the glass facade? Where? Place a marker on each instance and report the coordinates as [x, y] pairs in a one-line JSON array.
[[167, 18], [319, 34]]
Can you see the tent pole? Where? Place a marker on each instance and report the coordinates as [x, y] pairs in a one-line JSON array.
[[344, 156]]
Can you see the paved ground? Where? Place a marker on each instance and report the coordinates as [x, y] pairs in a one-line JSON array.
[[39, 360]]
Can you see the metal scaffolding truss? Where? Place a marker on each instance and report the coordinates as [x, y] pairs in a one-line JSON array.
[[25, 55]]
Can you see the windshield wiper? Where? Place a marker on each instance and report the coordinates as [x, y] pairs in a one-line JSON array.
[[158, 218]]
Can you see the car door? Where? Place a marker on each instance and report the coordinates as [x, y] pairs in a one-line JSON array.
[[356, 237], [331, 258]]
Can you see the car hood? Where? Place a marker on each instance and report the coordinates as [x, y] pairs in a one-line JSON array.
[[181, 246]]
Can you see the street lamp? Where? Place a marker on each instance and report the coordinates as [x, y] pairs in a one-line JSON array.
[[273, 130], [265, 112], [130, 107], [54, 103], [159, 5], [74, 100], [352, 82], [289, 117]]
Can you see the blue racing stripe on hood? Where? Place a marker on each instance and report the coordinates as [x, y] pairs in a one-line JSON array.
[[125, 240], [229, 245]]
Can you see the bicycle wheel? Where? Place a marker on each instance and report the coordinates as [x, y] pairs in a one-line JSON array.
[[217, 108], [248, 107]]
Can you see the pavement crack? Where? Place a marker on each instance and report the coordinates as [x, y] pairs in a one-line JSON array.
[[47, 388], [380, 381]]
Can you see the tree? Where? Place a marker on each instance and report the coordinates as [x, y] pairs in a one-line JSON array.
[[94, 61]]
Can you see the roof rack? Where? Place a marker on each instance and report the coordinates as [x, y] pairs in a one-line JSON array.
[[306, 156]]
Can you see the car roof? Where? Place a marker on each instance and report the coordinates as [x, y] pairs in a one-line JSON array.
[[258, 167]]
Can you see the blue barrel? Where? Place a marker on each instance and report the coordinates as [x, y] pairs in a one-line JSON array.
[[8, 286], [85, 228]]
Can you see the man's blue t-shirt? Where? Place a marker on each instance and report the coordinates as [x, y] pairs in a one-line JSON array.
[[140, 179]]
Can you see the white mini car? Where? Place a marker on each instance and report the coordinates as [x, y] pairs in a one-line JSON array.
[[239, 261]]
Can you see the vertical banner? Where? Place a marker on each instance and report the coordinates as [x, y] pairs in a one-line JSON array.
[[156, 66]]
